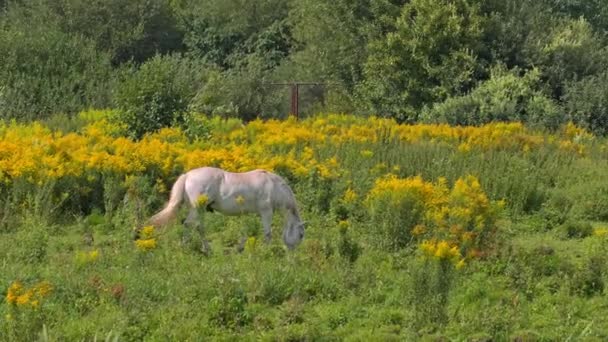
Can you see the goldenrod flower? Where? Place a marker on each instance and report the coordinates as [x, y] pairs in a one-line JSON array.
[[146, 232], [202, 200], [601, 232], [367, 153], [251, 244], [239, 200], [13, 292], [145, 245], [20, 296], [350, 196], [418, 230]]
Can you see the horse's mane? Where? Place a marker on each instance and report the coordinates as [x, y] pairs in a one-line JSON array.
[[283, 195]]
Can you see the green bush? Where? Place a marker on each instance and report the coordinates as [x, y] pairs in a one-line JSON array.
[[506, 96], [586, 102], [576, 229], [157, 95], [589, 279], [44, 71], [556, 210], [431, 54], [242, 92]]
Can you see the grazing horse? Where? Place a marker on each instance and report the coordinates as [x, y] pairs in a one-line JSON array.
[[233, 194]]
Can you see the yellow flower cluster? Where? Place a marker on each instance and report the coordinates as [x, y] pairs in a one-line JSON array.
[[454, 224], [34, 152], [146, 241], [443, 250], [601, 232], [397, 190], [350, 196], [89, 257], [251, 244], [202, 200], [20, 296]]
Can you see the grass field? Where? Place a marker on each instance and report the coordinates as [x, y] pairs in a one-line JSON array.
[[415, 232]]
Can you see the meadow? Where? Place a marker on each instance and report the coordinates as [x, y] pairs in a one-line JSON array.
[[415, 232]]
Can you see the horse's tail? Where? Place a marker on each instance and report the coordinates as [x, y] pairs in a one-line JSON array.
[[177, 195]]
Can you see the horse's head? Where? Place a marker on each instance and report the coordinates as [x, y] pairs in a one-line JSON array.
[[294, 233]]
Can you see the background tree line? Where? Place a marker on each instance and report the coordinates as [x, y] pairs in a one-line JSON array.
[[456, 61]]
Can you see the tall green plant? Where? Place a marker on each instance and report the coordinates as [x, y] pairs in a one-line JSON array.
[[158, 94]]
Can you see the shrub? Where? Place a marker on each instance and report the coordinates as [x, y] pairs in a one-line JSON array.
[[229, 307], [241, 92], [586, 102], [46, 71], [589, 279], [506, 96], [556, 210], [451, 224], [158, 94], [576, 229]]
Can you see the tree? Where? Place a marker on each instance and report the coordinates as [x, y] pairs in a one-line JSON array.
[[158, 93], [46, 71], [224, 32], [331, 39], [431, 54], [528, 34], [129, 30]]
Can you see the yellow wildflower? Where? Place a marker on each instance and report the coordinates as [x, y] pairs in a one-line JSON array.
[[251, 244], [18, 295], [147, 232], [145, 245], [418, 230], [202, 200], [367, 153], [343, 225], [239, 200], [601, 232], [24, 299], [13, 292], [350, 196]]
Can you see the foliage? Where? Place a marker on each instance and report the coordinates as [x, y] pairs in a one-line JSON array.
[[431, 55], [392, 58], [506, 96], [75, 74], [586, 101], [129, 31], [157, 94]]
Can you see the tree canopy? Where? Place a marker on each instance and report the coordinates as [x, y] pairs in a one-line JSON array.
[[439, 61]]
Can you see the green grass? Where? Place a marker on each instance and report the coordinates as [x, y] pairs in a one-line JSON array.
[[537, 282]]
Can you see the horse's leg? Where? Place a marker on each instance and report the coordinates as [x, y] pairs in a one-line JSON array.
[[266, 216], [190, 221], [204, 244], [193, 220]]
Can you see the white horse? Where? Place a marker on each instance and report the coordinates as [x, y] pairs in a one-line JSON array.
[[233, 194]]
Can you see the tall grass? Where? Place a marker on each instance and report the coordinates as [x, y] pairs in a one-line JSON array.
[[351, 279]]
